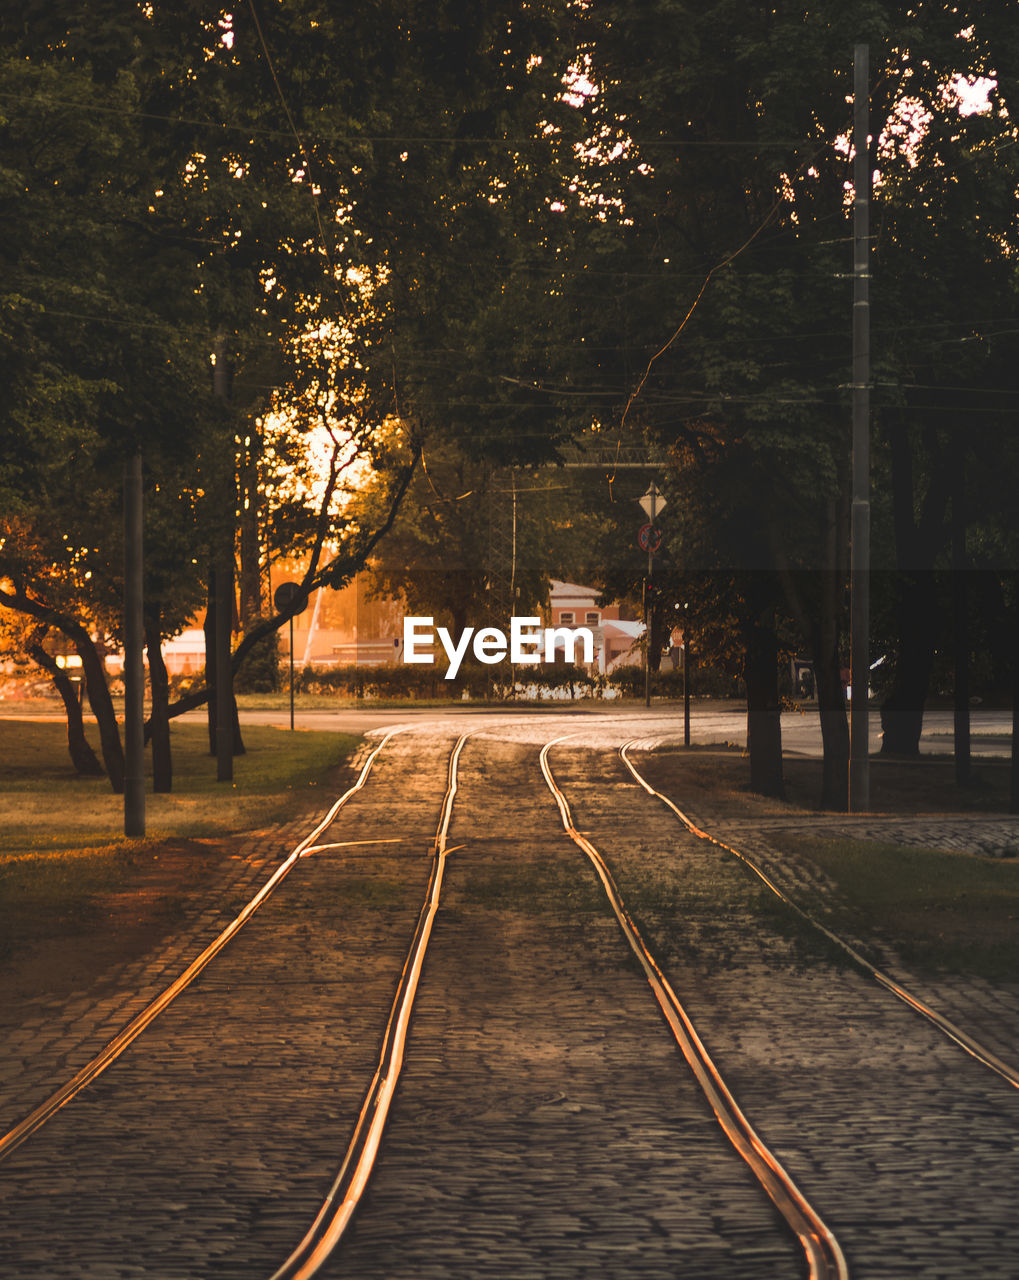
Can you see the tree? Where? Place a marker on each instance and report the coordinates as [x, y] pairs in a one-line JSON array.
[[133, 244], [947, 244], [721, 171]]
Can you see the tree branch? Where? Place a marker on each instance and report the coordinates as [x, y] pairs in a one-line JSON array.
[[329, 575]]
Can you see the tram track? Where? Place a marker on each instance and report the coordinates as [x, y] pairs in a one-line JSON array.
[[945, 1025], [824, 1255], [62, 1096], [345, 1194], [198, 1102], [908, 1145], [540, 1110], [514, 1020]]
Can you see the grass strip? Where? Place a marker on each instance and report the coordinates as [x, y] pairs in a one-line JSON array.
[[63, 843], [49, 808], [943, 912]]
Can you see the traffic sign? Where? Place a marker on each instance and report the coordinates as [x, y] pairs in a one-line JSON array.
[[652, 502], [649, 538], [284, 594]]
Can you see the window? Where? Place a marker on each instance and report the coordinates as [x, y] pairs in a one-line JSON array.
[[592, 619], [566, 617]]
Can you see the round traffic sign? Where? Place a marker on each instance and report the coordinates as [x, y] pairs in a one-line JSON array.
[[649, 538], [284, 595]]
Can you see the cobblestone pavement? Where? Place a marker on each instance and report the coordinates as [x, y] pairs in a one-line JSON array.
[[905, 1142], [545, 1124], [987, 1010], [989, 837]]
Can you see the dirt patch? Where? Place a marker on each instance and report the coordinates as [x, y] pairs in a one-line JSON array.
[[161, 884]]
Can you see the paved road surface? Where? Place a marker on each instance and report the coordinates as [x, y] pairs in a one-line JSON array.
[[710, 723], [545, 1125]]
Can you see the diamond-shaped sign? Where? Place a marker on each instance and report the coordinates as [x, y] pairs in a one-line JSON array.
[[652, 502]]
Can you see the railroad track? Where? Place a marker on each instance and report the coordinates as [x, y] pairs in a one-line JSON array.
[[67, 1092], [191, 1013], [350, 1183], [945, 1025], [514, 1044], [336, 1212], [823, 1253]]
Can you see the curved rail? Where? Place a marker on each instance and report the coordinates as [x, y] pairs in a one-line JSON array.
[[344, 1195], [824, 1256], [46, 1110], [945, 1025]]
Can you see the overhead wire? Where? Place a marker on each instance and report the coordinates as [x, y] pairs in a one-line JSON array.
[[325, 136], [294, 130]]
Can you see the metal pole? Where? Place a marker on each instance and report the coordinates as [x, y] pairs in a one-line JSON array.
[[859, 716], [647, 601], [686, 690], [224, 569], [134, 638], [291, 671], [647, 630]]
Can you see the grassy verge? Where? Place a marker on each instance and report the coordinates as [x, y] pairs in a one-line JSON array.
[[943, 912], [63, 847], [719, 773], [48, 808], [704, 914]]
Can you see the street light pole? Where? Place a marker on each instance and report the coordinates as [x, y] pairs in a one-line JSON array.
[[859, 662], [134, 668]]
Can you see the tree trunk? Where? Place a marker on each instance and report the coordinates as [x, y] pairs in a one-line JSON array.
[[162, 760], [831, 696], [209, 628], [102, 707], [764, 708], [249, 578], [960, 617], [902, 710], [815, 599], [95, 678], [831, 707], [84, 759], [1013, 806], [917, 543], [1013, 798], [211, 677]]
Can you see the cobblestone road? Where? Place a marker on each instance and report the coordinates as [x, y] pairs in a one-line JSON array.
[[545, 1124]]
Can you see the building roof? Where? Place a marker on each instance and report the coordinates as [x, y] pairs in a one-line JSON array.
[[560, 591]]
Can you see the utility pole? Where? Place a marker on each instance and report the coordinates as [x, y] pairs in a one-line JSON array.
[[859, 663], [134, 639], [223, 567]]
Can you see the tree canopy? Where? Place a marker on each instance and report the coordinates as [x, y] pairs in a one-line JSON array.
[[480, 233]]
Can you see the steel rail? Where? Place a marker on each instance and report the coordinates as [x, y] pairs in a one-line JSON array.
[[824, 1256], [125, 1038], [945, 1025], [349, 1185]]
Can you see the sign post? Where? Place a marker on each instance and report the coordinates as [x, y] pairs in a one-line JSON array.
[[282, 598], [649, 539]]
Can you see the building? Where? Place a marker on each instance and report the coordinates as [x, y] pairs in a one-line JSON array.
[[347, 627], [616, 641]]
